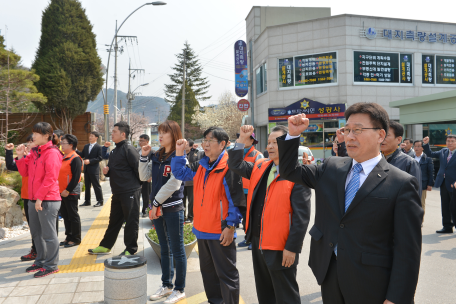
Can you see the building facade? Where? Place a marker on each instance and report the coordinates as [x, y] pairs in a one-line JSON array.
[[305, 55]]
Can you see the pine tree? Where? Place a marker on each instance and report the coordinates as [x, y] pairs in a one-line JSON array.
[[191, 103], [198, 84], [67, 61]]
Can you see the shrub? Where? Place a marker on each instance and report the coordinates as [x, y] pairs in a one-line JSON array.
[[189, 237]]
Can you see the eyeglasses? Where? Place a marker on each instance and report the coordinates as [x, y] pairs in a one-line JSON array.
[[209, 141], [355, 131]]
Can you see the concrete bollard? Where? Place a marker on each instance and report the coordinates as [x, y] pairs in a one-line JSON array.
[[125, 280]]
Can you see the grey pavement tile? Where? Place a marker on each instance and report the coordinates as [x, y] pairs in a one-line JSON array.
[[8, 284], [22, 300], [5, 291], [65, 280], [62, 298], [88, 297], [91, 279], [27, 291], [90, 286], [33, 282], [61, 288]]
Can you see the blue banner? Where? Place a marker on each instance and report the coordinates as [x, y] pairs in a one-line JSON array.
[[240, 68]]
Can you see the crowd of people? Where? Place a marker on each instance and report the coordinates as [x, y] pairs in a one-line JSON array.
[[370, 201]]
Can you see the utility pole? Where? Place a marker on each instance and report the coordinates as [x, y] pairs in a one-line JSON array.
[[121, 116], [130, 95], [115, 78], [183, 96]]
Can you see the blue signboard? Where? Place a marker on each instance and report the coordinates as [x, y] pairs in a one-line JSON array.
[[240, 68], [314, 110]]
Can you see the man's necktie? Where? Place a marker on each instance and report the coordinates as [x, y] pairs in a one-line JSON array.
[[449, 156], [271, 175], [90, 148], [353, 186]]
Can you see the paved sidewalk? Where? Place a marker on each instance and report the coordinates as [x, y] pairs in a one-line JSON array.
[[436, 282]]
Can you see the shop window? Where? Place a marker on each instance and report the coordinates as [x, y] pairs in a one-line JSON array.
[[312, 139], [332, 124], [261, 79]]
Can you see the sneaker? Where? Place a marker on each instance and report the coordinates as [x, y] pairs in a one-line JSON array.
[[144, 214], [243, 244], [176, 296], [29, 257], [162, 292], [125, 252], [100, 250], [44, 272], [33, 268], [250, 246]]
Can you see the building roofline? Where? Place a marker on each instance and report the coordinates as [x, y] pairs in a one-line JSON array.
[[420, 99]]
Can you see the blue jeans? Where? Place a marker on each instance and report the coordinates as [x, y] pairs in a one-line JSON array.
[[170, 232]]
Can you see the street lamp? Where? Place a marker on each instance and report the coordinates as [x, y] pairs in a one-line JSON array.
[[106, 107], [130, 99]]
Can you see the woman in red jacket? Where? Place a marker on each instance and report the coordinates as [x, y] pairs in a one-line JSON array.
[[42, 166]]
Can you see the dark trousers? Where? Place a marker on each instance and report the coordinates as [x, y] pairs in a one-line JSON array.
[[448, 208], [330, 288], [71, 219], [124, 207], [218, 268], [93, 180], [170, 231], [188, 194], [146, 189], [28, 219], [274, 283]]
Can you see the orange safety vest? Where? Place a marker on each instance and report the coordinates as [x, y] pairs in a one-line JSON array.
[[277, 210], [210, 204], [250, 157], [65, 174]]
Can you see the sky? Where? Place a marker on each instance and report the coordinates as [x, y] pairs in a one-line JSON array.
[[210, 26]]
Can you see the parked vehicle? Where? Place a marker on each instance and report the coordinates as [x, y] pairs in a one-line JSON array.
[[303, 149]]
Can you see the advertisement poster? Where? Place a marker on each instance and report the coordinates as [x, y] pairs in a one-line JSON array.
[[406, 68], [445, 73], [240, 67], [316, 69], [428, 69], [313, 110], [286, 73], [376, 67]]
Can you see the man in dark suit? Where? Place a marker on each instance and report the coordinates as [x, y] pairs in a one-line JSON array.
[[427, 172], [445, 178], [92, 157], [366, 239]]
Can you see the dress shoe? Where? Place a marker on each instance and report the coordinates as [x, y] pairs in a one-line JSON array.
[[445, 230], [68, 245], [85, 204], [99, 204]]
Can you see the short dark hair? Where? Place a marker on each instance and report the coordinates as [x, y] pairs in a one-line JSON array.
[[410, 140], [420, 141], [123, 128], [190, 142], [95, 133], [29, 138], [218, 133], [144, 136], [397, 128], [59, 133], [451, 136], [378, 115], [282, 128], [72, 140]]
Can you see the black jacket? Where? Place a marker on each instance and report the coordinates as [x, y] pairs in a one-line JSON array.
[[407, 164], [427, 171], [300, 201], [379, 236], [123, 168], [94, 157], [9, 160], [341, 150], [193, 156]]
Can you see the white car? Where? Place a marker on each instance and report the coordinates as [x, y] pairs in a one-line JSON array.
[[303, 149]]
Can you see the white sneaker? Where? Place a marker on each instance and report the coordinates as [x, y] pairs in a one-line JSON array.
[[161, 293], [176, 296]]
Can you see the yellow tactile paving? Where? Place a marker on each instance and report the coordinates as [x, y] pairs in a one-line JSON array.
[[82, 261]]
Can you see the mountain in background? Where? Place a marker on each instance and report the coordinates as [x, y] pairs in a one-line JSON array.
[[154, 108]]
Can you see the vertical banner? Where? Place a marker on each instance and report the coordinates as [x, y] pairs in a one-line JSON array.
[[240, 68]]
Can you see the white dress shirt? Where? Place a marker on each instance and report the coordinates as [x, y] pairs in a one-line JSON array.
[[418, 158], [90, 147]]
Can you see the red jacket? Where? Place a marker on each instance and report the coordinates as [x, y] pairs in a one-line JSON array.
[[42, 166]]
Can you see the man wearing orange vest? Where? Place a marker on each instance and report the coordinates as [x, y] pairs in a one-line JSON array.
[[217, 194], [251, 155], [278, 213], [69, 187]]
